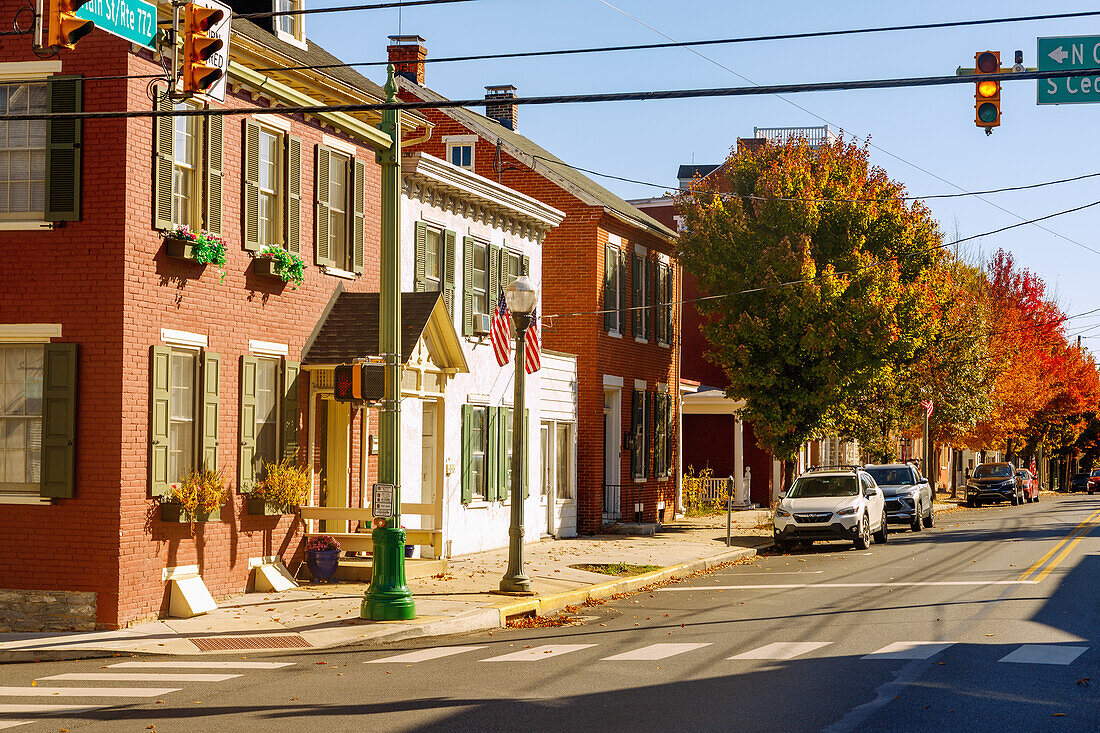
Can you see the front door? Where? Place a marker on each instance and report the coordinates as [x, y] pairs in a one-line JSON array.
[[428, 452], [337, 463], [546, 485], [612, 466]]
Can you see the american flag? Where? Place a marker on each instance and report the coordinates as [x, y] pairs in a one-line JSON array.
[[927, 405], [531, 346], [499, 333]]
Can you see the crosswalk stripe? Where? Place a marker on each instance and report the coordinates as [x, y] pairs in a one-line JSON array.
[[655, 651], [201, 665], [139, 677], [12, 723], [424, 655], [86, 691], [546, 651], [17, 709], [909, 650], [1044, 654], [782, 650]]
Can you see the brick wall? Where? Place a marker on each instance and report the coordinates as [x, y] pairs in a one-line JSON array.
[[572, 277], [107, 280]]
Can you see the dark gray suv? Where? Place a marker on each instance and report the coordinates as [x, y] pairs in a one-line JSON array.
[[908, 494]]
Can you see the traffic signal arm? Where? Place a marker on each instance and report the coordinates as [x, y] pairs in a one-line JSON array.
[[64, 28]]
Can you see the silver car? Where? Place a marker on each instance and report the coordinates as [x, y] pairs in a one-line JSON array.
[[908, 494]]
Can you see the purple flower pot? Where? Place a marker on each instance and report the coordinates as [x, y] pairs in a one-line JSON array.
[[409, 550], [322, 564]]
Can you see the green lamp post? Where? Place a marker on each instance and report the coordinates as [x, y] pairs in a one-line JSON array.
[[388, 597], [521, 295]]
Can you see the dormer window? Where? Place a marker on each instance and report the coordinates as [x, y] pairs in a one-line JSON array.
[[460, 150], [290, 28]]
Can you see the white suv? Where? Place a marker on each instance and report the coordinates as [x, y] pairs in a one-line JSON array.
[[831, 503]]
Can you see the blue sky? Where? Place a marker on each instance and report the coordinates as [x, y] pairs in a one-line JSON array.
[[925, 138]]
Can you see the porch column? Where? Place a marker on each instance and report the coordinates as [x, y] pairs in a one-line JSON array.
[[739, 460]]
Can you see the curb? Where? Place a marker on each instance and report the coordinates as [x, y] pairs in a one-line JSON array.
[[542, 605]]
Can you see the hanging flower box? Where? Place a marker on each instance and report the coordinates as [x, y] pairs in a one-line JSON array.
[[201, 247], [274, 261], [179, 248], [259, 507], [198, 497], [174, 512], [285, 487]]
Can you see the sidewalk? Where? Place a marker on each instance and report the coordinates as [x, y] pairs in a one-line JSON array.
[[458, 600]]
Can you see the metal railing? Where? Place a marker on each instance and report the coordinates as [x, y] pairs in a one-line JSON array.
[[815, 136], [612, 497]]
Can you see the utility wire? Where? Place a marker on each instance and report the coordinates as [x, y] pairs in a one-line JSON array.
[[643, 96], [679, 44], [346, 8]]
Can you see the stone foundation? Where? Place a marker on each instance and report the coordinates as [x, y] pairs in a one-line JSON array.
[[39, 610]]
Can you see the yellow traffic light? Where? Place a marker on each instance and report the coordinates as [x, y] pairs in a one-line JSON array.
[[987, 93], [65, 29], [198, 47]]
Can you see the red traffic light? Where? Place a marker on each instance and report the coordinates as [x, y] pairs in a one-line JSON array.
[[987, 62]]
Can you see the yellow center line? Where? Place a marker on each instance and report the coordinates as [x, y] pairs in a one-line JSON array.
[[1075, 533], [1062, 555]]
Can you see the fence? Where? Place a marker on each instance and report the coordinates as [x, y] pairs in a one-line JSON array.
[[612, 495], [815, 136]]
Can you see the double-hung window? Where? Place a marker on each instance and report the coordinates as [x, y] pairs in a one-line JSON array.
[[479, 277], [183, 434], [641, 290], [268, 417], [434, 262], [614, 297], [460, 150], [664, 304], [269, 185], [182, 378], [340, 206], [37, 419], [487, 453], [289, 27], [563, 470], [662, 435], [187, 163], [39, 159], [639, 435], [272, 178]]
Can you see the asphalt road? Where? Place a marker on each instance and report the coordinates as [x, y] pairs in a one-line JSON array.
[[984, 623]]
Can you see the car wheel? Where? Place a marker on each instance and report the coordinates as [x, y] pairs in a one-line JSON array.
[[880, 536], [914, 526], [863, 541], [970, 503], [784, 545], [930, 520], [1015, 501]]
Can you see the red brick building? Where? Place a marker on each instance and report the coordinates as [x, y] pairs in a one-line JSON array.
[[124, 365], [610, 278]]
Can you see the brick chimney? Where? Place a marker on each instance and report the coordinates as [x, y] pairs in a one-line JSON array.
[[407, 54], [506, 114]]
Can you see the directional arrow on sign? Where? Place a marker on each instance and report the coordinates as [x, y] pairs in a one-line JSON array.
[[1059, 54]]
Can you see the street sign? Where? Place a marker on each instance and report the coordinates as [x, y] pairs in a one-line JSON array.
[[131, 20], [382, 506], [1069, 52]]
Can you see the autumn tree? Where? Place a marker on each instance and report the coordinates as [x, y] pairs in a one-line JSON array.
[[821, 266]]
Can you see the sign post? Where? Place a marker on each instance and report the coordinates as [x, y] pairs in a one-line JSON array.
[[1069, 52]]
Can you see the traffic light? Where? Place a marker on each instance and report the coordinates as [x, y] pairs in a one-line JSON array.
[[198, 47], [987, 93], [65, 29], [358, 382]]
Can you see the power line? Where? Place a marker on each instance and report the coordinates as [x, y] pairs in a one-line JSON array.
[[646, 96], [680, 44], [880, 263], [346, 8]]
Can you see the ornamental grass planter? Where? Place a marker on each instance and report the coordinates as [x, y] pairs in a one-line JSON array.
[[172, 512], [259, 507], [180, 249], [322, 564]]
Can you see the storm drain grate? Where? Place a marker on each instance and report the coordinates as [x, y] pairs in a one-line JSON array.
[[231, 643]]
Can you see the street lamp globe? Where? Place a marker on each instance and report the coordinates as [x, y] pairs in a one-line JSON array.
[[521, 295]]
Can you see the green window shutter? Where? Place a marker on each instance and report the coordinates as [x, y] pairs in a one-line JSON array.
[[526, 447], [647, 430], [251, 207], [420, 258], [637, 412], [621, 292], [358, 216], [504, 467], [321, 228], [211, 390], [495, 258], [670, 296], [495, 479], [636, 269], [610, 302], [58, 421], [63, 94], [524, 265], [649, 311], [449, 271], [293, 209], [163, 140], [467, 455], [669, 426], [158, 421], [291, 370], [467, 286], [246, 468], [214, 126]]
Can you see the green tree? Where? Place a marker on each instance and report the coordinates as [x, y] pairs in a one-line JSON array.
[[820, 265]]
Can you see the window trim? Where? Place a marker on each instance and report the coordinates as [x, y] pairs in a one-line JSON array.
[[455, 141]]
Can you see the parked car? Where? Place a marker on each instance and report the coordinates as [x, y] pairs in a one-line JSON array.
[[908, 495], [1094, 480], [994, 482], [1030, 484], [831, 503], [1079, 482]]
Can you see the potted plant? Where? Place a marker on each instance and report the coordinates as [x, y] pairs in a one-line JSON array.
[[198, 497], [201, 247], [322, 556], [275, 261], [285, 487]]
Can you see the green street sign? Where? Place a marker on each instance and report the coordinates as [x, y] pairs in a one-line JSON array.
[[131, 20], [1069, 52]]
